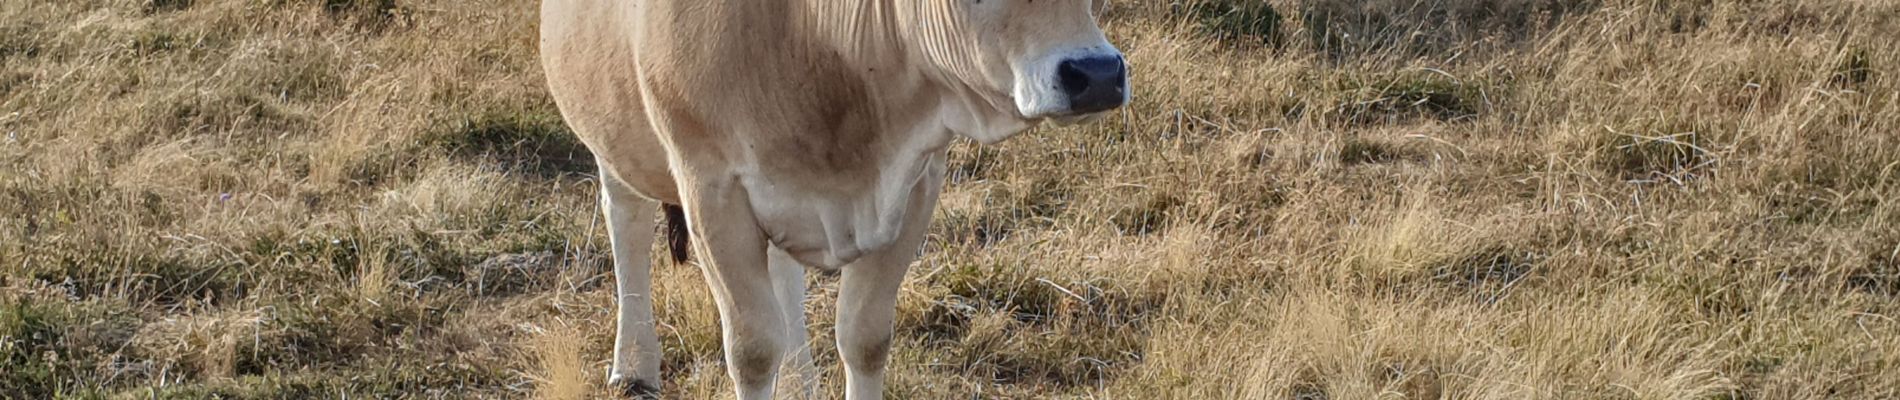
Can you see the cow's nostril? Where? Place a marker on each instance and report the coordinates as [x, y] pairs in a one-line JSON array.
[[1073, 78]]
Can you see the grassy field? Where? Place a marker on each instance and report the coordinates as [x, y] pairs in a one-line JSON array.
[[1308, 199]]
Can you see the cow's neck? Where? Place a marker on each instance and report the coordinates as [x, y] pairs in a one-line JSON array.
[[912, 48]]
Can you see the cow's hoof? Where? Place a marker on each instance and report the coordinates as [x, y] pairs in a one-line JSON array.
[[638, 389]]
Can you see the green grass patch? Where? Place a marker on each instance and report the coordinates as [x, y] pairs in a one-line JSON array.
[[1658, 151], [1001, 322], [19, 40], [1410, 96], [1366, 151], [51, 348], [1855, 69], [11, 80], [1150, 214], [63, 242], [154, 42], [137, 274], [372, 15], [1489, 272], [533, 141], [395, 378], [161, 6], [1234, 21], [973, 162], [372, 7], [28, 333], [1006, 211], [1880, 273], [1409, 29], [211, 113], [1249, 211], [269, 386], [366, 15]]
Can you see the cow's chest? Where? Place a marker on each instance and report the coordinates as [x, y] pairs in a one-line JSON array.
[[830, 227]]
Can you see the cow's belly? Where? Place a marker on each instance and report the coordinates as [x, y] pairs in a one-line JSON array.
[[812, 240], [829, 230], [825, 232]]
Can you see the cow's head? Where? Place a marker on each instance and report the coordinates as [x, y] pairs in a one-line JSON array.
[[1013, 63]]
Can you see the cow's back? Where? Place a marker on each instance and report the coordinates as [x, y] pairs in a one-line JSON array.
[[587, 51]]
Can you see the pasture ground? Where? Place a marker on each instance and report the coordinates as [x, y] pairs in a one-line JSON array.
[[1311, 199]]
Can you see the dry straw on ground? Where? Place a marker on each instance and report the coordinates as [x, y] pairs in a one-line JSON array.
[[1472, 199]]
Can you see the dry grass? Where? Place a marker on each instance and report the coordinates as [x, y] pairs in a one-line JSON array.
[[560, 351], [1468, 199]]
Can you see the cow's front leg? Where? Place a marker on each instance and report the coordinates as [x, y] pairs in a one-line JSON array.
[[867, 304], [732, 251], [867, 297]]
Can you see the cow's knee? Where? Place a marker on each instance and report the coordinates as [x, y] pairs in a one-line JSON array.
[[754, 361], [867, 352]]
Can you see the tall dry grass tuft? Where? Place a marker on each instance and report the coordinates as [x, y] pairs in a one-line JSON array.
[[205, 346], [558, 351], [374, 279], [1412, 239]]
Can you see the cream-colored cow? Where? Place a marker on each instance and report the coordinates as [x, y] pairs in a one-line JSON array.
[[800, 133]]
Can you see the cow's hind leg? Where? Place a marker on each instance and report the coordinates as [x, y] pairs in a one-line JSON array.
[[788, 282], [636, 364]]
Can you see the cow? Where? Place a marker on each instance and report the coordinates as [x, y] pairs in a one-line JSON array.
[[781, 135]]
